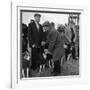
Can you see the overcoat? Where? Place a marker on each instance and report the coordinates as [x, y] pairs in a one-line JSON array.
[[35, 38], [56, 45]]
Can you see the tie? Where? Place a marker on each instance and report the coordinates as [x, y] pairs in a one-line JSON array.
[[38, 27]]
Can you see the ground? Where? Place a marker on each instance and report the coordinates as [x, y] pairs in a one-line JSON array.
[[68, 68]]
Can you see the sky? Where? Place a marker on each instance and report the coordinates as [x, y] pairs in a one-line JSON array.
[[56, 18]]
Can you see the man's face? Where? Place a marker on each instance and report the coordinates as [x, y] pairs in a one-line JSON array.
[[37, 18]]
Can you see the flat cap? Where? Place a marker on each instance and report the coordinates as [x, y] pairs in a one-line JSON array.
[[37, 14]]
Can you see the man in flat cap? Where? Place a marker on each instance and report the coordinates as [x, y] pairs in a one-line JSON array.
[[35, 33], [37, 15]]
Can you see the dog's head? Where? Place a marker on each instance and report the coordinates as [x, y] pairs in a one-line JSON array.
[[26, 56]]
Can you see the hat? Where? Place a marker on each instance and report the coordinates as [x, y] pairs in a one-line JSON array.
[[46, 23], [37, 15]]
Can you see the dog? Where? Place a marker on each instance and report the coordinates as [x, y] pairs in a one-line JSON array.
[[26, 63], [46, 58], [68, 53]]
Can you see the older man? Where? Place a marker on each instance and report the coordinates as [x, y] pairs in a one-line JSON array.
[[35, 34]]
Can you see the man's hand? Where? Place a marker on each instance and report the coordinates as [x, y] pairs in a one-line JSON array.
[[43, 43], [44, 55]]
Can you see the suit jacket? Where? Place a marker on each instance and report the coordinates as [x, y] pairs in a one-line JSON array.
[[35, 35]]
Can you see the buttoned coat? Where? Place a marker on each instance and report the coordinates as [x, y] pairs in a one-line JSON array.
[[35, 35]]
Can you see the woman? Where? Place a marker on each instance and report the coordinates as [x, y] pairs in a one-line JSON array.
[[56, 47]]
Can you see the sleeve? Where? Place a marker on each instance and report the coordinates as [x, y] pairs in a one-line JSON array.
[[42, 34], [65, 39], [52, 41], [75, 34], [30, 33]]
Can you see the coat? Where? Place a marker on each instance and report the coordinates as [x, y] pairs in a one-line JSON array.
[[35, 35], [24, 37], [56, 46]]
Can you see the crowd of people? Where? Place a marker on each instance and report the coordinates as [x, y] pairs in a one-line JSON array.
[[41, 43]]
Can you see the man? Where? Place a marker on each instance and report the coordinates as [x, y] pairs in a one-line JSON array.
[[24, 37], [46, 29], [35, 34], [24, 49], [73, 39]]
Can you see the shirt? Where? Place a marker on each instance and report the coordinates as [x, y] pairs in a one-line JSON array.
[[37, 25]]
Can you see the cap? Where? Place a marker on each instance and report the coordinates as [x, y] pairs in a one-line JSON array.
[[37, 15]]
